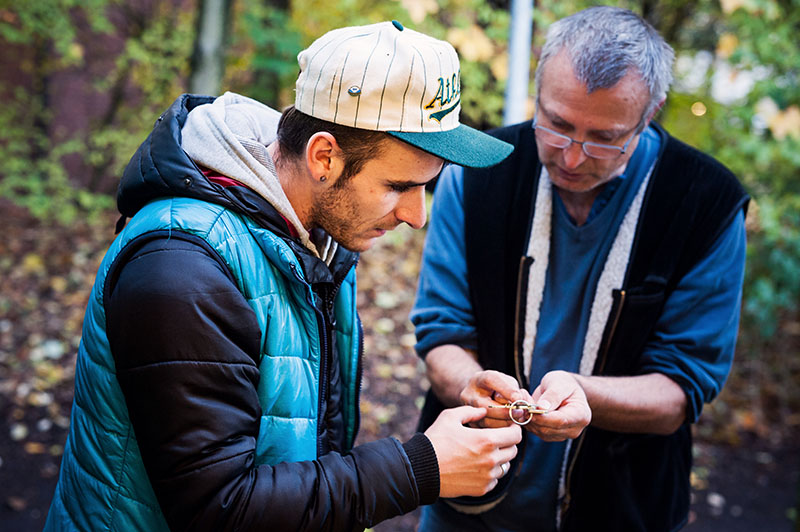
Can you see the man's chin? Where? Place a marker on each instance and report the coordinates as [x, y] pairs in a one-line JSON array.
[[573, 183], [567, 180], [359, 245], [363, 241]]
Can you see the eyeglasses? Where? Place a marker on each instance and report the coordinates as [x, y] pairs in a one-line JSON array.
[[591, 149]]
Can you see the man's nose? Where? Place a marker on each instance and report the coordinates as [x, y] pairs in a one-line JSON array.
[[573, 155], [411, 208]]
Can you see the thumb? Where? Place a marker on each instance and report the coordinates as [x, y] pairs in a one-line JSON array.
[[549, 400], [468, 414], [554, 389]]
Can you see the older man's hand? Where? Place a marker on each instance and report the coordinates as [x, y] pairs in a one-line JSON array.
[[568, 414]]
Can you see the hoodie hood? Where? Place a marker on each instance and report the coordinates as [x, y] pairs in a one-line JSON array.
[[231, 136], [228, 135], [160, 168]]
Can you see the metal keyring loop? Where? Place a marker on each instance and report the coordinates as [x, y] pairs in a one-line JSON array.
[[520, 404]]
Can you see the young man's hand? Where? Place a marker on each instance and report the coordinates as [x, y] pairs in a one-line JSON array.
[[471, 460]]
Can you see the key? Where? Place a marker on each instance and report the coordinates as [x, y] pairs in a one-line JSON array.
[[523, 405]]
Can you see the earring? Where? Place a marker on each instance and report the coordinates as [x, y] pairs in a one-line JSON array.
[[323, 178]]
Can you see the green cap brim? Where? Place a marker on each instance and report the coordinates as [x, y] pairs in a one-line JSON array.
[[463, 145]]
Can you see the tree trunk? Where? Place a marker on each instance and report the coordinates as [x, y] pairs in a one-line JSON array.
[[208, 56]]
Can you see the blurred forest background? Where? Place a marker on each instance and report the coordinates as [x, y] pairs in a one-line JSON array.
[[82, 82]]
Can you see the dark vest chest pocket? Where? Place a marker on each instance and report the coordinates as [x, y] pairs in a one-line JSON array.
[[633, 320]]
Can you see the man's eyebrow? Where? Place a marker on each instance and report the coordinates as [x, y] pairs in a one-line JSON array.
[[611, 133], [408, 183]]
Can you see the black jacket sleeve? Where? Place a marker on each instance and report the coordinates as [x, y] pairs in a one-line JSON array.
[[185, 344]]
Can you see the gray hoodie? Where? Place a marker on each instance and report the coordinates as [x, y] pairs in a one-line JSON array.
[[230, 136]]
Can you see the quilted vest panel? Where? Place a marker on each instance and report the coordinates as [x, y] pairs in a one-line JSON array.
[[103, 484]]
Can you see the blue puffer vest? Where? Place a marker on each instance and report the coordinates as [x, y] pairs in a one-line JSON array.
[[103, 483]]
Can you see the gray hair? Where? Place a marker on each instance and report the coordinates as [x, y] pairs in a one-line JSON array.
[[604, 42]]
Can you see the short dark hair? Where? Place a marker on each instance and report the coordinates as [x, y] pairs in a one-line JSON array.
[[358, 145]]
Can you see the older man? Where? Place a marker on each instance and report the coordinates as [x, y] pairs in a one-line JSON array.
[[604, 254]]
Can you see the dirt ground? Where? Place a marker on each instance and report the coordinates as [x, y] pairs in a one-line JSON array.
[[747, 464]]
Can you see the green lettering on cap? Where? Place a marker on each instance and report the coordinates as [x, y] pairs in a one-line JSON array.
[[438, 115], [398, 25]]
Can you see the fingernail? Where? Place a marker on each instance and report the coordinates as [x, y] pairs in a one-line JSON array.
[[544, 405]]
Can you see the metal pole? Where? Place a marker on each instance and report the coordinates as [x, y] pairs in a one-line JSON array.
[[519, 61]]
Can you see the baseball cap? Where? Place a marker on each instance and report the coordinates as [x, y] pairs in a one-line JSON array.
[[385, 77]]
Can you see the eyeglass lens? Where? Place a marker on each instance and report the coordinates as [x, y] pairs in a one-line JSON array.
[[557, 140]]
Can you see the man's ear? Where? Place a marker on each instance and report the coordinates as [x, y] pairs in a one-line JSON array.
[[655, 110], [324, 157]]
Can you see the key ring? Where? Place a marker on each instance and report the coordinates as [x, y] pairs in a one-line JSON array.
[[521, 404]]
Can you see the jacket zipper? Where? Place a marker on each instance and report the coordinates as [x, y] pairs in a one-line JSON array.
[[603, 356], [324, 315], [327, 322], [323, 372], [359, 372], [323, 335], [326, 331], [518, 370]]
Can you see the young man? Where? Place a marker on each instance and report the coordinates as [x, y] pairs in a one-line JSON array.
[[217, 381], [604, 254]]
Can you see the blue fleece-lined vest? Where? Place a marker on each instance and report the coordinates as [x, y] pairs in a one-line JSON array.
[[103, 484]]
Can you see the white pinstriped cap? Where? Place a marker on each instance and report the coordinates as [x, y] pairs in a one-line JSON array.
[[384, 77]]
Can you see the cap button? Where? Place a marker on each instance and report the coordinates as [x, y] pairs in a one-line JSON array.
[[398, 25]]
